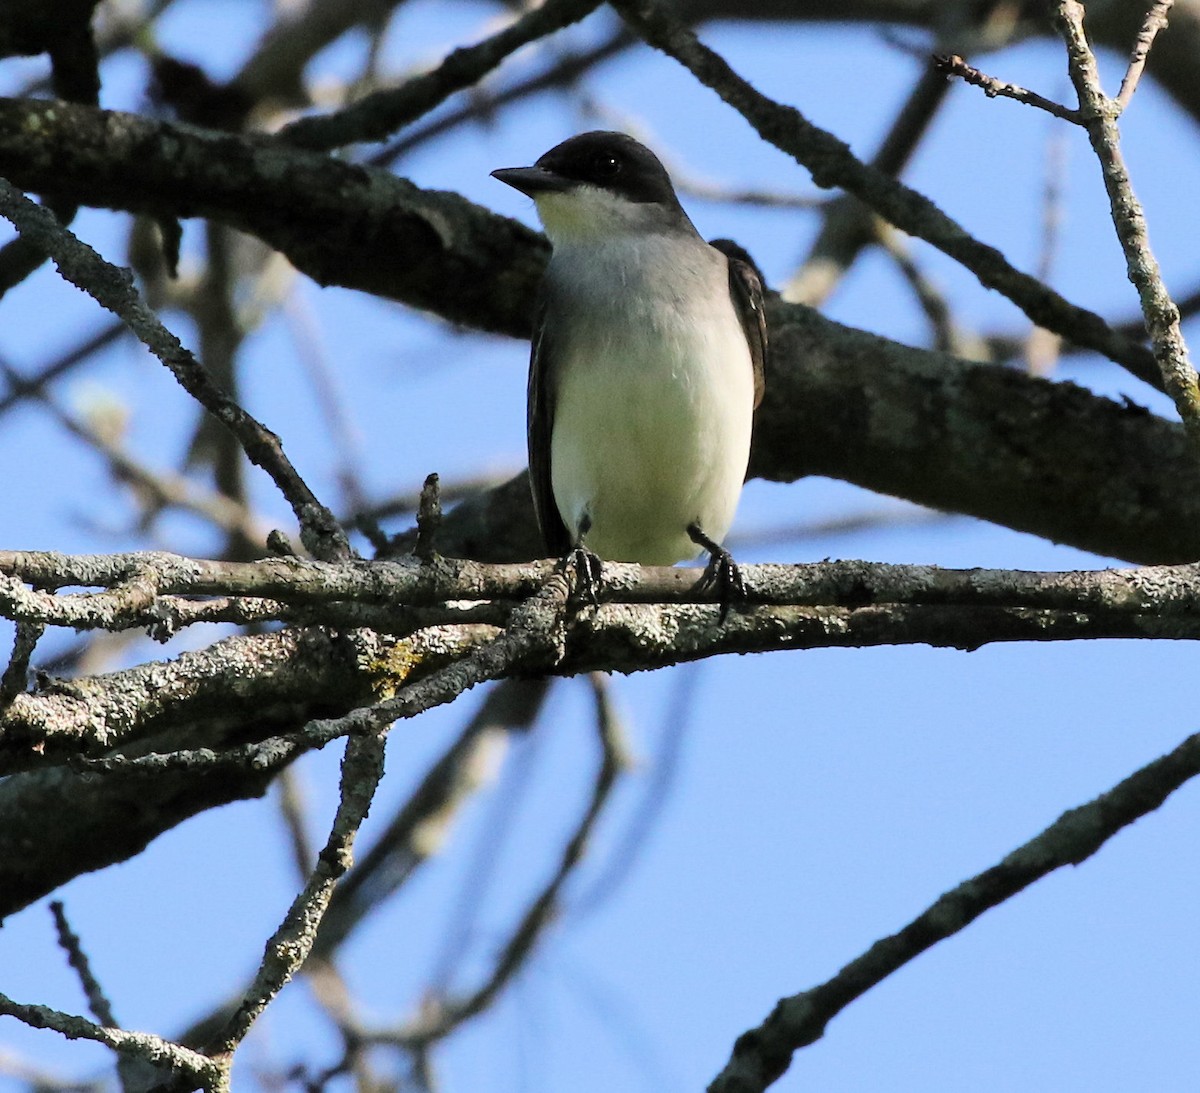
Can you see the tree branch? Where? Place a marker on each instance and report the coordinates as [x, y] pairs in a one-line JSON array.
[[112, 288], [763, 1054], [379, 115], [840, 402], [289, 946], [1099, 117], [831, 163]]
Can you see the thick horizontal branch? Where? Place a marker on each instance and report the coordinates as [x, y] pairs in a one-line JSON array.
[[975, 439], [215, 725], [180, 737], [268, 687], [339, 223], [144, 576], [648, 617]]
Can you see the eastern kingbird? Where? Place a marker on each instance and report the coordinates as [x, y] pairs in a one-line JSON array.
[[647, 364]]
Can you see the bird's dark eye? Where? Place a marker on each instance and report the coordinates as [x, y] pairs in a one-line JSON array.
[[606, 165]]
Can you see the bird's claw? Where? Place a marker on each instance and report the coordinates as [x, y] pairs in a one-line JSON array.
[[721, 573], [588, 572]]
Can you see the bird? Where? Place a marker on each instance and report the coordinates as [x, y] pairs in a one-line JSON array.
[[646, 366]]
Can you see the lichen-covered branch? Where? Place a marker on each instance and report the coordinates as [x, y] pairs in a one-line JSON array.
[[1098, 114], [215, 725], [207, 1073]]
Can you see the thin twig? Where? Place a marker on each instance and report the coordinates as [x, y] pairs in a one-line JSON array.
[[1162, 316], [286, 951], [439, 1018], [423, 823], [484, 104], [112, 288], [378, 115], [763, 1054], [1155, 20], [292, 810], [954, 65], [534, 636], [847, 225], [934, 306], [429, 518], [155, 490], [69, 942], [210, 1074], [16, 674], [22, 387]]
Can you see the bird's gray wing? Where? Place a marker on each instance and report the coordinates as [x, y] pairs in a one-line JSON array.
[[540, 409], [745, 287]]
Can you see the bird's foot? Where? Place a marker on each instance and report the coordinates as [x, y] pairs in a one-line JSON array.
[[721, 573], [588, 572]]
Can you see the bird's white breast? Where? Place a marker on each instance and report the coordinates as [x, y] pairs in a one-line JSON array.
[[653, 395]]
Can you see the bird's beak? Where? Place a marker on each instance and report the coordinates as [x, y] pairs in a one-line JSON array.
[[531, 181]]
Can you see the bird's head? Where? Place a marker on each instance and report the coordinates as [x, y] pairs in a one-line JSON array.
[[599, 185]]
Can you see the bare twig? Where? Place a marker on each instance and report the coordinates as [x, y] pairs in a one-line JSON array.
[[1042, 346], [378, 115], [440, 1017], [936, 308], [339, 424], [21, 387], [655, 795], [210, 1074], [69, 942], [287, 950], [847, 225], [155, 490], [484, 103], [1155, 20], [429, 518], [112, 288], [292, 810], [953, 65], [16, 674], [417, 831], [764, 1053], [422, 825], [1162, 316]]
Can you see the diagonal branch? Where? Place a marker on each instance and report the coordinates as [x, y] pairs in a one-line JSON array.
[[763, 1054], [1099, 117], [379, 115], [112, 288], [952, 65], [207, 1073], [831, 164], [289, 946], [440, 1017], [1155, 20]]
